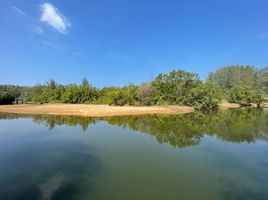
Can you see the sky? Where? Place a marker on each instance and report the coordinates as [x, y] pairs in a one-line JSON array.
[[117, 42]]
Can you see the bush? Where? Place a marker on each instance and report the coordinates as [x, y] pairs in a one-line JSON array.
[[123, 96], [244, 95], [204, 97], [145, 94], [6, 98]]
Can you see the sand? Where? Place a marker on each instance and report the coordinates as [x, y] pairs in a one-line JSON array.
[[99, 110], [92, 110]]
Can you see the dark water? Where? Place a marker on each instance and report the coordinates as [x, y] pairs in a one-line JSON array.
[[206, 156]]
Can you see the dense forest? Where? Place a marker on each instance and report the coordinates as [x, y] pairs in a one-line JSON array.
[[235, 84]]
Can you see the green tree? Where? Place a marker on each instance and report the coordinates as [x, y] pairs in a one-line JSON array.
[[262, 80], [233, 75], [244, 95], [88, 93], [172, 88], [72, 94], [6, 98], [204, 96], [145, 93]]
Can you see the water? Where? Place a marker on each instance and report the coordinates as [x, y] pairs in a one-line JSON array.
[[193, 156]]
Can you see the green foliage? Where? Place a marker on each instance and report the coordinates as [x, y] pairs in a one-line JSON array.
[[185, 88], [88, 93], [239, 84], [242, 84], [51, 92], [244, 95], [204, 96], [123, 96], [6, 98], [262, 80], [145, 94], [173, 88], [72, 94], [233, 75]]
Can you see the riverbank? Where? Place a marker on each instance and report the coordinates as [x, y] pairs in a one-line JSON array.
[[92, 110], [99, 110]]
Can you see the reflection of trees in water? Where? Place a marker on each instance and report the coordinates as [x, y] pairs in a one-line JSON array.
[[52, 121], [177, 130], [243, 125], [246, 125]]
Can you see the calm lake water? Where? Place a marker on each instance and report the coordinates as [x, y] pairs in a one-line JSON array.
[[221, 155]]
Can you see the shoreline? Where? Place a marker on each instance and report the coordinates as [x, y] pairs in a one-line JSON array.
[[92, 110], [89, 110]]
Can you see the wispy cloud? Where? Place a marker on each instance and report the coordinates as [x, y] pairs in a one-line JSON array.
[[18, 11], [37, 29], [52, 16]]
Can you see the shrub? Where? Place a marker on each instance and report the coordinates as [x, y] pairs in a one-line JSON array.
[[204, 97], [6, 98], [145, 93], [244, 95]]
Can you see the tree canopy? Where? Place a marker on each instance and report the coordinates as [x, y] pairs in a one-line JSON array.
[[235, 83]]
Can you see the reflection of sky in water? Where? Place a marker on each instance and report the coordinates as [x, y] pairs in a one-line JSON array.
[[49, 187], [40, 164], [48, 157]]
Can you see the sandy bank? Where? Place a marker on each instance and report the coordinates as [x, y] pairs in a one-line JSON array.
[[229, 105], [92, 110], [99, 110]]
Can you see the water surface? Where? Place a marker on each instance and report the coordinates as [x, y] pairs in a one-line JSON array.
[[219, 155]]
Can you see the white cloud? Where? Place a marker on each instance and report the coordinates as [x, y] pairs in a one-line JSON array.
[[18, 11], [52, 16], [37, 29]]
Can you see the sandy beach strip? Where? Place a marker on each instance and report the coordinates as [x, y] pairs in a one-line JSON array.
[[92, 110]]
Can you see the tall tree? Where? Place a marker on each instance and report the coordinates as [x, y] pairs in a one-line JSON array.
[[233, 75]]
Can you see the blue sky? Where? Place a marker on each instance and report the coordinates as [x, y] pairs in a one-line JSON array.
[[116, 42]]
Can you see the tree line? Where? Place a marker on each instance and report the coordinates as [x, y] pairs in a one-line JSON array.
[[237, 84], [242, 84]]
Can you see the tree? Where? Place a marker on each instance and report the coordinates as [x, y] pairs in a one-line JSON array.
[[88, 93], [232, 75], [204, 96], [172, 88], [262, 80], [145, 93], [6, 98], [72, 94], [244, 95]]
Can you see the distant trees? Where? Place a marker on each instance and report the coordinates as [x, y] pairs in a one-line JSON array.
[[233, 75], [119, 96], [242, 84], [244, 95], [185, 88], [262, 80], [14, 90], [235, 83], [6, 98]]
